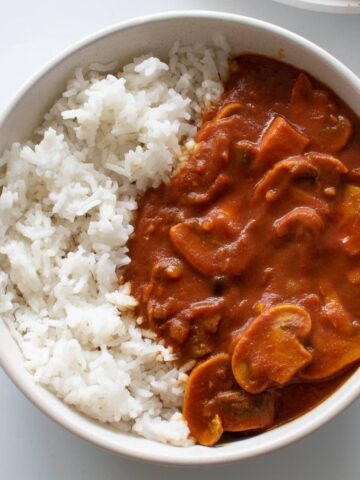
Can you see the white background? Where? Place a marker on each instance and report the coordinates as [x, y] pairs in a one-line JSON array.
[[31, 446]]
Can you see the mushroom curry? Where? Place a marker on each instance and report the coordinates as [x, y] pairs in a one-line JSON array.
[[248, 260]]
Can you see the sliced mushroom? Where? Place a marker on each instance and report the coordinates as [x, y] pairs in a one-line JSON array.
[[206, 312], [213, 403], [168, 269], [301, 222], [333, 353], [335, 133], [229, 109], [203, 175], [335, 339], [275, 182], [301, 93], [202, 340], [270, 351], [327, 128], [158, 311], [178, 329], [348, 224], [329, 168], [280, 141], [159, 305], [241, 412], [243, 153], [200, 345], [334, 310], [300, 196], [215, 189], [210, 254]]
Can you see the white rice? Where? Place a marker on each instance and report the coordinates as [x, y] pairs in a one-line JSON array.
[[67, 208]]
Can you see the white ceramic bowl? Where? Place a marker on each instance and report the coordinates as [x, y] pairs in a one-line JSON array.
[[332, 6], [124, 41]]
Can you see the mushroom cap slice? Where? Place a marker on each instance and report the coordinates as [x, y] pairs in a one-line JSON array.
[[194, 327], [220, 183], [300, 223], [335, 339], [325, 125], [210, 254], [269, 352], [229, 109], [333, 353], [325, 169], [214, 403], [240, 411]]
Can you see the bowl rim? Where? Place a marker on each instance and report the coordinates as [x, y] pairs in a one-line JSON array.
[[326, 7], [307, 422]]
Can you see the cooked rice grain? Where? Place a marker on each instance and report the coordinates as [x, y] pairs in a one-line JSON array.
[[67, 209]]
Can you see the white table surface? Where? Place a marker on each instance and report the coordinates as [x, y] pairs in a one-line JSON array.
[[32, 447]]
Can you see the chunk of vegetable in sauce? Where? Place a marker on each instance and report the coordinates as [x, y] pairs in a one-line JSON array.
[[328, 129], [271, 351], [349, 220], [199, 321], [280, 141], [213, 403], [335, 339]]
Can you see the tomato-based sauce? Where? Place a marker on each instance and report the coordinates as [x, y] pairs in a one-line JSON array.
[[248, 260]]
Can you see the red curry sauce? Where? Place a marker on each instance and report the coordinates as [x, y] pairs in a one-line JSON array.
[[248, 260]]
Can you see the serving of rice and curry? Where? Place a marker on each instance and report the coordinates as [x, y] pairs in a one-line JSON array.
[[180, 244]]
